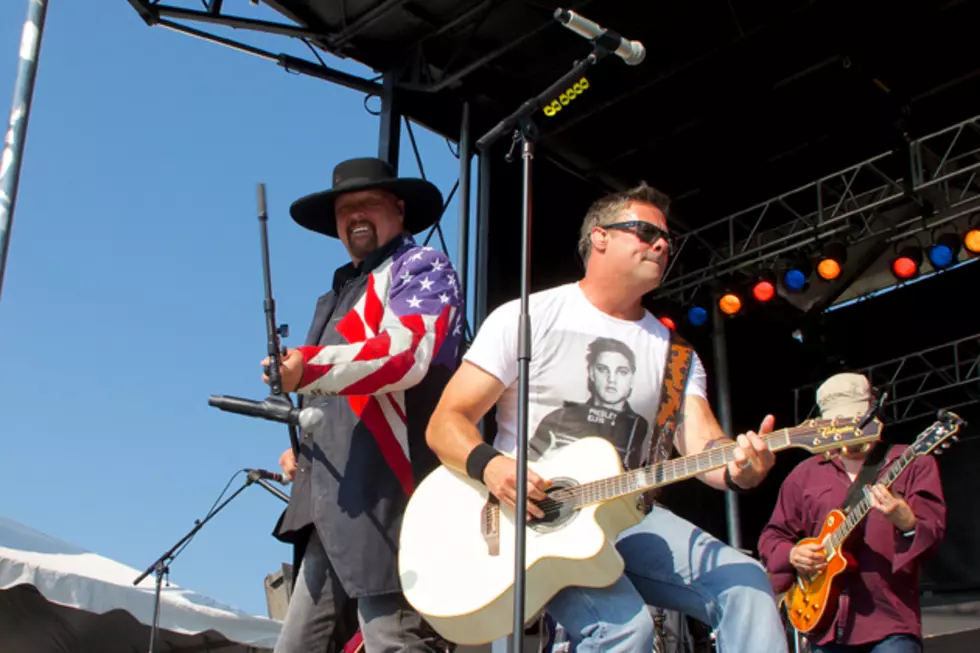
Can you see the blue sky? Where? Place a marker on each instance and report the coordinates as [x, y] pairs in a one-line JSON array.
[[133, 287]]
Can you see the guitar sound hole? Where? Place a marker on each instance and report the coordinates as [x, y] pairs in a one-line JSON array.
[[556, 513]]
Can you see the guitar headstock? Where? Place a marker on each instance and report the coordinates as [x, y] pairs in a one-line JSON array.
[[946, 426], [835, 436]]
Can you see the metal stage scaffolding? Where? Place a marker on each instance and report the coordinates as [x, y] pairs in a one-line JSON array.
[[936, 177], [918, 384]]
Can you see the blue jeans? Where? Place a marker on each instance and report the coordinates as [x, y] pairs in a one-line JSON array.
[[674, 565], [893, 644]]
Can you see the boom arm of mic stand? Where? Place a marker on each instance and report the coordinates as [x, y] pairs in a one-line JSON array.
[[526, 133], [168, 557], [161, 566], [527, 109]]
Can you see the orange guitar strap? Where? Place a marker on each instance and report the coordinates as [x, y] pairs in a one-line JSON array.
[[677, 368]]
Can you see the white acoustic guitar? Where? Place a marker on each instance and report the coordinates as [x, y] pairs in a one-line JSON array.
[[456, 559]]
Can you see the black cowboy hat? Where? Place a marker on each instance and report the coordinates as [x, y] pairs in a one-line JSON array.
[[423, 201]]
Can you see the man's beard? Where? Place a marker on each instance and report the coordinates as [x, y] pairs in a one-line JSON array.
[[361, 247]]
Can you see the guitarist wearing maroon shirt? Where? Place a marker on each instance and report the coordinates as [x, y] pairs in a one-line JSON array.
[[877, 609]]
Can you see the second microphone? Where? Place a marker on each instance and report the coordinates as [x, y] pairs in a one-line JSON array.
[[274, 411]]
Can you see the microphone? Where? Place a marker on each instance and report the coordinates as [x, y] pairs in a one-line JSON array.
[[256, 474], [274, 411], [632, 52]]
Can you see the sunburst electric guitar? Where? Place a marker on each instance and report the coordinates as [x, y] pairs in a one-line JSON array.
[[811, 601], [456, 559]]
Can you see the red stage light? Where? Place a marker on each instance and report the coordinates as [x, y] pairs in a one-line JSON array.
[[904, 267], [906, 264], [763, 290], [669, 323]]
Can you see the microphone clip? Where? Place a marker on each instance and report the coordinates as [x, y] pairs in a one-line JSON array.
[[526, 129]]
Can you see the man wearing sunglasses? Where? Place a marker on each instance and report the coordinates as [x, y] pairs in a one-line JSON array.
[[669, 563]]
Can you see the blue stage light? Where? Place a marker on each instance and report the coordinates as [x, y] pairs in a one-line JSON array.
[[944, 252], [794, 280], [697, 316], [940, 256]]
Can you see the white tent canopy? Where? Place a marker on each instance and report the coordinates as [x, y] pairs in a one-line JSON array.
[[56, 597]]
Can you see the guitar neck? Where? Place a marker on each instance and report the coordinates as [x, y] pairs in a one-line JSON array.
[[668, 471], [863, 507]]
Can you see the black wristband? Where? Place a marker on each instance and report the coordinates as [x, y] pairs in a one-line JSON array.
[[731, 484], [478, 460]]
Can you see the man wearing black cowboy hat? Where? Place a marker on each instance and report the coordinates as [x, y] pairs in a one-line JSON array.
[[383, 344]]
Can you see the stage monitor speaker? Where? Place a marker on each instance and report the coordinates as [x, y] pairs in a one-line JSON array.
[[278, 589]]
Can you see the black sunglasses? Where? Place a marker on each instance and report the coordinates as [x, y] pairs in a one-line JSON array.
[[645, 231]]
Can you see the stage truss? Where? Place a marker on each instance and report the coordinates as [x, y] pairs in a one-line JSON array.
[[918, 384], [935, 179]]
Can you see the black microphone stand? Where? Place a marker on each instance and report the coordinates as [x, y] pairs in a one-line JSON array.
[[273, 332], [161, 566], [526, 132]]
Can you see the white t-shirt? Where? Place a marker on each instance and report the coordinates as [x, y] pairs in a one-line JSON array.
[[590, 373]]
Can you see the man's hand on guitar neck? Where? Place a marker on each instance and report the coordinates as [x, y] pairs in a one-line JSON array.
[[893, 508], [753, 457], [500, 477]]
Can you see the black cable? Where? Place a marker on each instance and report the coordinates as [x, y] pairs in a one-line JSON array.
[[210, 510]]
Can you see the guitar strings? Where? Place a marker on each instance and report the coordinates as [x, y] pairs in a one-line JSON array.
[[576, 496]]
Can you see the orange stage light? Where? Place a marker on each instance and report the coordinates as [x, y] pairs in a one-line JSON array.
[[832, 258], [828, 269], [972, 241], [730, 303]]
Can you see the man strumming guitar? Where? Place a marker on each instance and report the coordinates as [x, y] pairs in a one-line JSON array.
[[878, 606], [599, 360]]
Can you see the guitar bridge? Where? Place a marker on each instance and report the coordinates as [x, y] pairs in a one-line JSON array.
[[490, 525]]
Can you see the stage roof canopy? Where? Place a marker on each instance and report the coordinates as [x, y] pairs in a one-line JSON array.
[[734, 102], [737, 104]]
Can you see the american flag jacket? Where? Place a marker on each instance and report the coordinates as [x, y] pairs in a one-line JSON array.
[[383, 344]]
